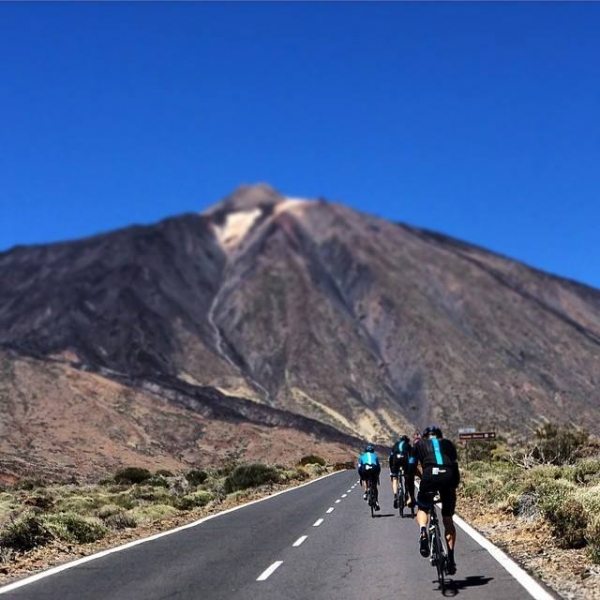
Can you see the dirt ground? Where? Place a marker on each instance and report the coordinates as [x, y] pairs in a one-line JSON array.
[[570, 573]]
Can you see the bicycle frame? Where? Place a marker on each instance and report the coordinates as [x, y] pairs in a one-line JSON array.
[[438, 555]]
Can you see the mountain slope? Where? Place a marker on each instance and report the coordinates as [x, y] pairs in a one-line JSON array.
[[309, 307]]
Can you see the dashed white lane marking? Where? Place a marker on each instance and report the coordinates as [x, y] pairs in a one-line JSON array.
[[268, 572], [329, 510], [348, 491], [344, 495], [338, 501], [318, 522], [299, 541], [85, 559]]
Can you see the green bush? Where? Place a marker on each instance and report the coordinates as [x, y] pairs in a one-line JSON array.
[[120, 520], [568, 520], [41, 500], [592, 536], [151, 494], [312, 459], [158, 481], [152, 512], [164, 473], [30, 484], [557, 444], [252, 475], [26, 533], [72, 527], [132, 475], [196, 476], [194, 500]]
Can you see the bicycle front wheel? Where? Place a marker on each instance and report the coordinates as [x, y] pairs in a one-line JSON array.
[[440, 560]]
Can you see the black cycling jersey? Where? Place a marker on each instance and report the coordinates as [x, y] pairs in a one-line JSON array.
[[434, 452]]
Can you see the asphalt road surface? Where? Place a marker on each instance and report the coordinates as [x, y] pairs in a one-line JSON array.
[[261, 552]]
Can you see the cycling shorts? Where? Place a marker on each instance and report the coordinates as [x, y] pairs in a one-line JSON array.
[[370, 472], [442, 479], [404, 462]]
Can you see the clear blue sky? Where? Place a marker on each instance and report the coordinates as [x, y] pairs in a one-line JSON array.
[[478, 120]]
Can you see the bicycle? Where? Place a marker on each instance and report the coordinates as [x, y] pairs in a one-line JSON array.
[[438, 556], [401, 495], [371, 495]]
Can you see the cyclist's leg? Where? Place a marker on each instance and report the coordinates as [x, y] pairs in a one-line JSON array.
[[448, 498], [374, 483], [409, 480], [424, 504]]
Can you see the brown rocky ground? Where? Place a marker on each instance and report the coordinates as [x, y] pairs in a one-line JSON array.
[[568, 572], [60, 422]]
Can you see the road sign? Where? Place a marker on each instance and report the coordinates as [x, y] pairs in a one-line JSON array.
[[467, 430], [477, 435]]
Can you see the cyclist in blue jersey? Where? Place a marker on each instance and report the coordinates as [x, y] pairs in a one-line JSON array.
[[402, 457], [369, 469], [437, 459]]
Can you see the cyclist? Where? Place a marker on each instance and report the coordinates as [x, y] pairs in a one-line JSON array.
[[369, 469], [401, 456], [437, 459]]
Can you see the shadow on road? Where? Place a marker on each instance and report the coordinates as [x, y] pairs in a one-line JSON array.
[[384, 515], [454, 586]]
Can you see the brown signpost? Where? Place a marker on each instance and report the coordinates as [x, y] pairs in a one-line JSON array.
[[467, 436], [477, 435]]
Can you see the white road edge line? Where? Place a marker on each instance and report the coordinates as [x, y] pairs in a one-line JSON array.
[[329, 510], [300, 541], [526, 580], [318, 522], [85, 559], [535, 590], [268, 572]]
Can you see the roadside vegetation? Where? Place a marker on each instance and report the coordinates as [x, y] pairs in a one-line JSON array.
[[38, 514], [552, 481]]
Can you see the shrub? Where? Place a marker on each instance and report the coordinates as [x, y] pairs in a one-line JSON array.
[[29, 484], [120, 520], [152, 512], [26, 533], [164, 473], [194, 500], [196, 476], [592, 536], [151, 494], [568, 521], [312, 459], [340, 466], [158, 481], [132, 475], [557, 444], [252, 475], [41, 500], [71, 527]]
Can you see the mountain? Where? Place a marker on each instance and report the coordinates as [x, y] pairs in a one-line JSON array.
[[337, 325]]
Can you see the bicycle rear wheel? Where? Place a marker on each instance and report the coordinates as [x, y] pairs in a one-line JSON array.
[[440, 558], [401, 495]]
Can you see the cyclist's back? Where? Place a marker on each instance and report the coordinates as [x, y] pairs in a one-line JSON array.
[[369, 469]]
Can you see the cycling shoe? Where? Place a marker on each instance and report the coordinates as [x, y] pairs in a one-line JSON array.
[[424, 546]]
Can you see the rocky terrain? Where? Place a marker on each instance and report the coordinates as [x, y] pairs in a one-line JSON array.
[[269, 322]]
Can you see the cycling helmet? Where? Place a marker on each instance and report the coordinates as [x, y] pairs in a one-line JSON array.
[[404, 438], [432, 430], [369, 448]]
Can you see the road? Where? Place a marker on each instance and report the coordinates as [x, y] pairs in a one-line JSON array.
[[346, 554]]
